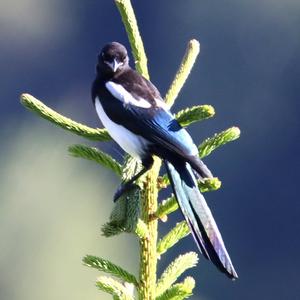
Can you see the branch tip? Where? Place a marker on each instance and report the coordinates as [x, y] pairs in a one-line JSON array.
[[133, 33], [54, 117], [192, 51]]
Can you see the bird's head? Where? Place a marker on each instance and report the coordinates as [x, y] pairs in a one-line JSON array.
[[112, 59]]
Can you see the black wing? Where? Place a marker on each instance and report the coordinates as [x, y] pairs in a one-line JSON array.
[[156, 124]]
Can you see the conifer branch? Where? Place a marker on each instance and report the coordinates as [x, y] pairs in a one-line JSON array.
[[133, 212], [119, 212], [114, 287], [163, 182], [106, 266], [192, 51], [125, 217], [180, 231], [148, 259], [110, 229], [94, 154], [218, 140], [49, 114], [117, 219], [179, 291], [174, 270], [130, 23], [133, 221], [209, 184], [166, 207], [193, 114], [170, 204], [130, 167], [141, 230]]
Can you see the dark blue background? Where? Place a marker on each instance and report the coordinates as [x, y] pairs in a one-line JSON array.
[[248, 69]]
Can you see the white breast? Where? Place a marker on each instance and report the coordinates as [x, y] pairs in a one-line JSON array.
[[133, 144]]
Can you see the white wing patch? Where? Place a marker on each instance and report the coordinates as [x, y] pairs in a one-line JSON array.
[[163, 105], [124, 96]]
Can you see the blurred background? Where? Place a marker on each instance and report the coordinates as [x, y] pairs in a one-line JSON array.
[[52, 205]]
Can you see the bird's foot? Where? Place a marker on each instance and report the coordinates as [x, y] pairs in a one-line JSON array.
[[123, 188]]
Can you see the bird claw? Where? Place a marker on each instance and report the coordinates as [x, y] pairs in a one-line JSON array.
[[123, 188]]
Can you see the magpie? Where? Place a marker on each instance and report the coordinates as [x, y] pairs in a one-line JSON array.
[[135, 115]]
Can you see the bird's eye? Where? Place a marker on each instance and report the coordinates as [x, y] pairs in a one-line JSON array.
[[106, 57], [123, 58]]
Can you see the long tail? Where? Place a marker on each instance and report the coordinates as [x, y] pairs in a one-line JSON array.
[[199, 217]]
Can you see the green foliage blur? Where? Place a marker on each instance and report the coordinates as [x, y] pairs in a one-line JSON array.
[[51, 209]]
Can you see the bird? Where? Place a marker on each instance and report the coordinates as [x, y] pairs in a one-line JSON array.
[[131, 108]]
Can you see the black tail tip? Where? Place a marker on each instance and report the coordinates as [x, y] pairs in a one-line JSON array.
[[232, 275]]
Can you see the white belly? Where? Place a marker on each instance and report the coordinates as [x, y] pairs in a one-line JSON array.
[[133, 144]]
